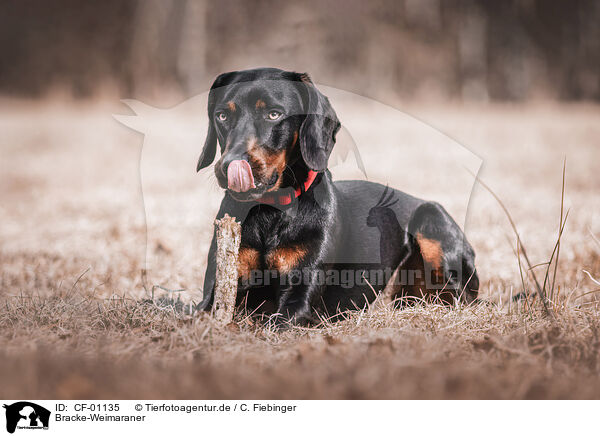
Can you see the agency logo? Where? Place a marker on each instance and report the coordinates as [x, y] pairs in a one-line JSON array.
[[26, 415]]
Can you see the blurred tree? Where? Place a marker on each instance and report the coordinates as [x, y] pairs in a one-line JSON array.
[[458, 49]]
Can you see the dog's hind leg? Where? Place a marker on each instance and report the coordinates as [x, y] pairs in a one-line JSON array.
[[447, 257]]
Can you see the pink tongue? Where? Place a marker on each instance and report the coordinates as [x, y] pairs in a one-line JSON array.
[[239, 176]]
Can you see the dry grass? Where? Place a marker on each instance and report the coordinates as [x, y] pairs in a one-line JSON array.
[[74, 323], [75, 347]]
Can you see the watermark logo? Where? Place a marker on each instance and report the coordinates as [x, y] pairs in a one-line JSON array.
[[24, 415], [376, 142]]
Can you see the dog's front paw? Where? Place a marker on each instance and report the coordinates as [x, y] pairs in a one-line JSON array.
[[279, 321]]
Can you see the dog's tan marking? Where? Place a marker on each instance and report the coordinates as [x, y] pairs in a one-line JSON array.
[[431, 250], [277, 161], [285, 259], [256, 155], [231, 106], [304, 77], [248, 260], [267, 161], [260, 104]]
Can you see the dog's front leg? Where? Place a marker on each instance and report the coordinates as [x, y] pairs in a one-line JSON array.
[[294, 300], [209, 276]]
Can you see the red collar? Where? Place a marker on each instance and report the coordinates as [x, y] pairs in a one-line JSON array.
[[286, 198]]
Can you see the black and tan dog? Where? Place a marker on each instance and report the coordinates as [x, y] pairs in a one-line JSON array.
[[308, 243]]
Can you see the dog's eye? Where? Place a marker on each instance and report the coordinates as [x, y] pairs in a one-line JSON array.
[[274, 115], [221, 116]]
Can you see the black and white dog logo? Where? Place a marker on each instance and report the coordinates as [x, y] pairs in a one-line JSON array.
[[26, 415]]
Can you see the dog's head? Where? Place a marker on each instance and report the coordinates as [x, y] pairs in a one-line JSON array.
[[267, 122]]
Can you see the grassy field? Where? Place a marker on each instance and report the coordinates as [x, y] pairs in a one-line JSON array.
[[75, 231]]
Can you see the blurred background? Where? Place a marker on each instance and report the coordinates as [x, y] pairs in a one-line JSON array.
[[463, 50]]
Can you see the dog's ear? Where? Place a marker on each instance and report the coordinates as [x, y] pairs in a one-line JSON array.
[[210, 145], [317, 133]]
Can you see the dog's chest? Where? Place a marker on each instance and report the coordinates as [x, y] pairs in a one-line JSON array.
[[271, 242]]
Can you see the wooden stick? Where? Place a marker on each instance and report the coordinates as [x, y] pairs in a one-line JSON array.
[[390, 288], [229, 236]]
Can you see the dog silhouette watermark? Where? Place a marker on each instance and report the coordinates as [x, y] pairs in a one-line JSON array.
[[376, 142]]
